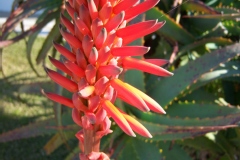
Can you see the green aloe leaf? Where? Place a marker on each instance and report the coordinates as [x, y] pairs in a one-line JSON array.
[[233, 16], [129, 148], [47, 45], [165, 90], [202, 143], [199, 7], [171, 29], [229, 69], [201, 43]]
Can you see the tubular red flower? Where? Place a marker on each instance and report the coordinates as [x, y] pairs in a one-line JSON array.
[[129, 51], [128, 94], [62, 81], [60, 99], [131, 63], [118, 117]]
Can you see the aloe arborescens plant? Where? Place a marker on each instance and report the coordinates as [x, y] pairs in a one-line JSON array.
[[98, 36]]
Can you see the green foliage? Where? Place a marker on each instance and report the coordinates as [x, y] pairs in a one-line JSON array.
[[201, 39]]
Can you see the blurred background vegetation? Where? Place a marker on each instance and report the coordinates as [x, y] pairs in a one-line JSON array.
[[201, 41]]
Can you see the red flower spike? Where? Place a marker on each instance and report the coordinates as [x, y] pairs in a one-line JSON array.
[[90, 73], [153, 105], [105, 12], [125, 91], [87, 44], [69, 9], [79, 72], [86, 91], [118, 117], [81, 60], [130, 38], [67, 23], [66, 53], [76, 117], [98, 34], [93, 56], [131, 63], [125, 31], [59, 99], [92, 9], [101, 38], [129, 51], [140, 8], [93, 103], [82, 27], [60, 65], [124, 5], [158, 62], [136, 126], [78, 104], [114, 22], [101, 85], [84, 15], [72, 40], [62, 81], [110, 70]]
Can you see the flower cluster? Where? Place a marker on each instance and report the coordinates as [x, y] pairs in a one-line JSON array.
[[98, 35]]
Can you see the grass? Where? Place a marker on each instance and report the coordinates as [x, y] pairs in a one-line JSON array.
[[22, 104]]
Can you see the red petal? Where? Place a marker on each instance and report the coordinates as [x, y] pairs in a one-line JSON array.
[[131, 63], [84, 15], [114, 22], [131, 37], [60, 65], [158, 62], [93, 56], [135, 28], [78, 103], [67, 23], [110, 70], [124, 5], [69, 9], [66, 53], [105, 12], [62, 81], [87, 44], [118, 117], [136, 126], [101, 38], [101, 85], [81, 60], [125, 91], [72, 40], [97, 26], [90, 73], [140, 8], [59, 99], [76, 117], [92, 9], [82, 27], [153, 105], [129, 51], [74, 68]]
